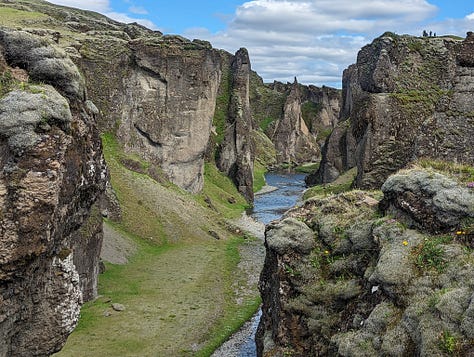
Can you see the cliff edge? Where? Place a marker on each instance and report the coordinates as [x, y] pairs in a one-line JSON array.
[[406, 98], [353, 275], [52, 174]]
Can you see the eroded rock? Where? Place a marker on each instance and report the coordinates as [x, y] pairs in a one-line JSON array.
[[405, 98], [369, 285], [52, 173]]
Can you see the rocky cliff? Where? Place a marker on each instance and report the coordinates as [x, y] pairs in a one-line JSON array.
[[158, 94], [353, 275], [297, 118], [52, 174], [293, 141], [405, 98], [236, 153]]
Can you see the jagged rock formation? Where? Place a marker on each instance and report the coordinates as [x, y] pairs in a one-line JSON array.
[[236, 154], [157, 93], [292, 138], [52, 173], [341, 280], [405, 98], [297, 118]]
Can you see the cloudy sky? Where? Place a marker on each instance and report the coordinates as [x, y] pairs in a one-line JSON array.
[[313, 40]]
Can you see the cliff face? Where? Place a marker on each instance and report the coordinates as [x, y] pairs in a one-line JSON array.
[[297, 118], [236, 155], [293, 141], [157, 93], [52, 173], [160, 95], [342, 278], [405, 98]]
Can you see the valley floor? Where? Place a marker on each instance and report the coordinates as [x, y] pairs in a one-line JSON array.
[[185, 275]]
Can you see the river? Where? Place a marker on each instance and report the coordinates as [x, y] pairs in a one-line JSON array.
[[268, 207]]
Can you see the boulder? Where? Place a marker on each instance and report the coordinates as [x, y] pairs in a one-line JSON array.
[[427, 200]]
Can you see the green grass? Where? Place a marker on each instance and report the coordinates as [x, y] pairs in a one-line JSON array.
[[11, 17], [266, 122], [449, 343], [463, 173], [258, 176], [307, 168], [342, 184], [179, 287], [177, 297], [222, 106], [221, 191], [430, 255]]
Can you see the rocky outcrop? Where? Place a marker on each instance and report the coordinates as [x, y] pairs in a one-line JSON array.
[[342, 279], [236, 153], [168, 107], [157, 93], [297, 118], [51, 174], [439, 207], [293, 141], [405, 98]]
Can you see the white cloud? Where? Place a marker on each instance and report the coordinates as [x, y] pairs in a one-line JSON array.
[[314, 40], [93, 5], [117, 16], [470, 17], [138, 10], [103, 7]]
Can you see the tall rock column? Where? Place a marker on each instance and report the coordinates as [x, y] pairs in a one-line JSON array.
[[237, 153], [293, 141]]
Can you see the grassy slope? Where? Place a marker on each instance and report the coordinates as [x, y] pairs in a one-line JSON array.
[[178, 288]]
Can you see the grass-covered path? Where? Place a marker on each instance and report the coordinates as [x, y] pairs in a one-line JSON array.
[[184, 291]]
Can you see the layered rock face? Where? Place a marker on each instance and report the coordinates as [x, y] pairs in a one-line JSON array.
[[405, 98], [236, 154], [160, 94], [342, 278], [169, 107], [157, 93], [52, 173]]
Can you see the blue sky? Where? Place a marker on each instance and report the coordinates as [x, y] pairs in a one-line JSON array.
[[314, 40]]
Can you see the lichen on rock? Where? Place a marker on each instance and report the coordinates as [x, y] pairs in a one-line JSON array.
[[406, 98], [373, 284], [52, 172]]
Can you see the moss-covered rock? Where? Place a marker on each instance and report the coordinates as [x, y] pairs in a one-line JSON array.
[[370, 285], [406, 98]]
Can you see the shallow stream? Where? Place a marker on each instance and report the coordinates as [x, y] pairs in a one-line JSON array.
[[268, 207]]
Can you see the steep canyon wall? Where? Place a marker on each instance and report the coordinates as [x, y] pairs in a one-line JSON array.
[[52, 174], [405, 98]]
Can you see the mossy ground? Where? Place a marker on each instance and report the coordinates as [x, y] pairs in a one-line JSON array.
[[179, 287]]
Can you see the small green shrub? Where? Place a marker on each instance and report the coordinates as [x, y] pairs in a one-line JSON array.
[[430, 255], [448, 343]]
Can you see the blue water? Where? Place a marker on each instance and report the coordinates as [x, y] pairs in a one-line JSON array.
[[272, 205], [268, 207]]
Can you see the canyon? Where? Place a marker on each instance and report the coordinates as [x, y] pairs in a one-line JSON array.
[[156, 143]]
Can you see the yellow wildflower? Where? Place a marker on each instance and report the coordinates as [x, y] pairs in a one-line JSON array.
[[405, 243], [326, 252]]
